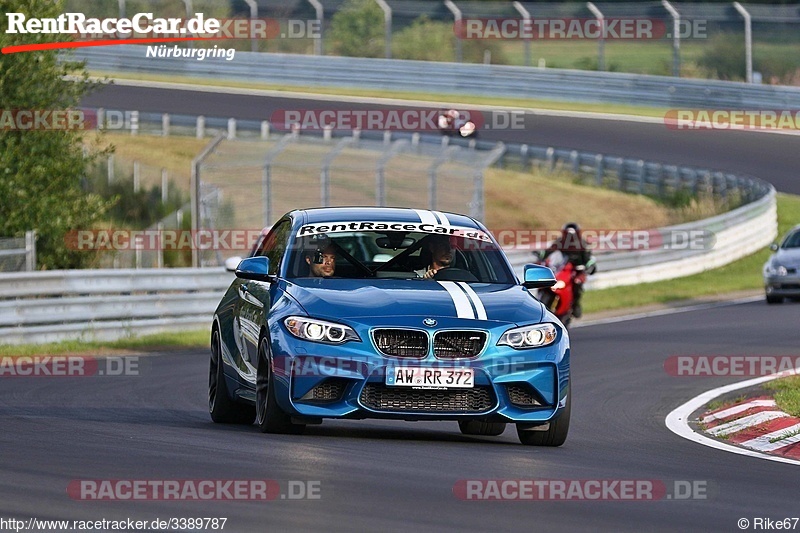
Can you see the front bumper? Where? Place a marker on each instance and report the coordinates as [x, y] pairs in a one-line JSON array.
[[349, 381], [788, 286]]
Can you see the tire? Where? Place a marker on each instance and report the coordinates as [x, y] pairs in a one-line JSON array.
[[479, 427], [270, 418], [555, 435], [774, 299], [221, 407]]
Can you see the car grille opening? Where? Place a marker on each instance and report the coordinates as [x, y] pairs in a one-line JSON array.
[[522, 396], [458, 344], [379, 397], [329, 390], [401, 342]]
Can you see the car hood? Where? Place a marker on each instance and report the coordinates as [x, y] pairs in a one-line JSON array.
[[788, 257], [347, 298]]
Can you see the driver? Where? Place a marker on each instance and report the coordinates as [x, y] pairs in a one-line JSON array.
[[441, 255], [321, 259]]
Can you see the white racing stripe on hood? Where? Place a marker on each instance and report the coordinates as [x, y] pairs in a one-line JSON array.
[[476, 300], [426, 217], [460, 299], [442, 218]]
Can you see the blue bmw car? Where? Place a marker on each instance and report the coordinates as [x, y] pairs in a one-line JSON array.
[[407, 314]]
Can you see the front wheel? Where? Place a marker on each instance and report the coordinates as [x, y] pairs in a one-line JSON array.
[[270, 418], [221, 407], [555, 435]]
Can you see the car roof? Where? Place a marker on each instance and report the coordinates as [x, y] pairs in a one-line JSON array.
[[382, 214]]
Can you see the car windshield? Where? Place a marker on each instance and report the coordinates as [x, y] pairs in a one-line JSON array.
[[397, 255], [792, 240]]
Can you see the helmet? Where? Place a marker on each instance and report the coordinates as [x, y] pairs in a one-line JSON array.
[[571, 226]]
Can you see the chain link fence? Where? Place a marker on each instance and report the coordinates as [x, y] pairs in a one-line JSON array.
[[18, 254], [256, 181]]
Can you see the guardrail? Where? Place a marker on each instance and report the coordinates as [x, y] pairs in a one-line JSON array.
[[51, 306], [453, 79]]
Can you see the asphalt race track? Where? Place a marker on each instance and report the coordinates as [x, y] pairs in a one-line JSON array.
[[399, 476], [772, 157]]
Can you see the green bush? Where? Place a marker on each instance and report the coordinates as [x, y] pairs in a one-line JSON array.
[[427, 40], [357, 29], [724, 56]]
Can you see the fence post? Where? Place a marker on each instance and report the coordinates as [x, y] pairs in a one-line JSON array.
[[748, 39], [136, 177], [601, 42], [320, 12], [526, 16], [164, 186], [30, 250], [457, 16], [110, 163], [195, 192], [253, 15], [160, 247], [387, 22], [676, 38]]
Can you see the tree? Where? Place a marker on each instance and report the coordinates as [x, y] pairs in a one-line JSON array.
[[41, 171], [357, 29]]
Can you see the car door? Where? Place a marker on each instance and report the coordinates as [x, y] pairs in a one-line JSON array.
[[255, 298]]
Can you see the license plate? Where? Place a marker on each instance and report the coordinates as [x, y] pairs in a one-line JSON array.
[[455, 378]]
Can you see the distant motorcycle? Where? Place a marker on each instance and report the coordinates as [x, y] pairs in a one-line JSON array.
[[451, 123], [559, 298]]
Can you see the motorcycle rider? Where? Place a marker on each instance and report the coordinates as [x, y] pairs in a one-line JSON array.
[[576, 250], [448, 120]]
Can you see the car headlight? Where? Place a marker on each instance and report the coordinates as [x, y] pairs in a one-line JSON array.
[[529, 336], [311, 329], [779, 270]]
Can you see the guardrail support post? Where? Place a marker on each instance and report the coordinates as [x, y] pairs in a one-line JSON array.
[[165, 125], [676, 37], [600, 169], [160, 247], [748, 39], [550, 156], [231, 129], [201, 127], [265, 130], [134, 122], [110, 164], [457, 16], [136, 176]]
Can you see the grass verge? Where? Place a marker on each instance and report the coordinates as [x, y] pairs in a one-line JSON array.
[[198, 338], [787, 394], [740, 275], [433, 98]]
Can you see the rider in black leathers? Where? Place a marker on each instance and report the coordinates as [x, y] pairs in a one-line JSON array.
[[572, 244]]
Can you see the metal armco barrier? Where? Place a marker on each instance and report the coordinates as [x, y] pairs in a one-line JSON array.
[[453, 79]]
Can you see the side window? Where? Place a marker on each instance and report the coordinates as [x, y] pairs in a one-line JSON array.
[[274, 245]]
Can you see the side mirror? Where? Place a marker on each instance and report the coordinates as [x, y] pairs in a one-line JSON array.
[[773, 247], [538, 277], [232, 263], [254, 268]]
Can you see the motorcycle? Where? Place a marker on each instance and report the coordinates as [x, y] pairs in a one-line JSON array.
[[559, 298], [451, 123]]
